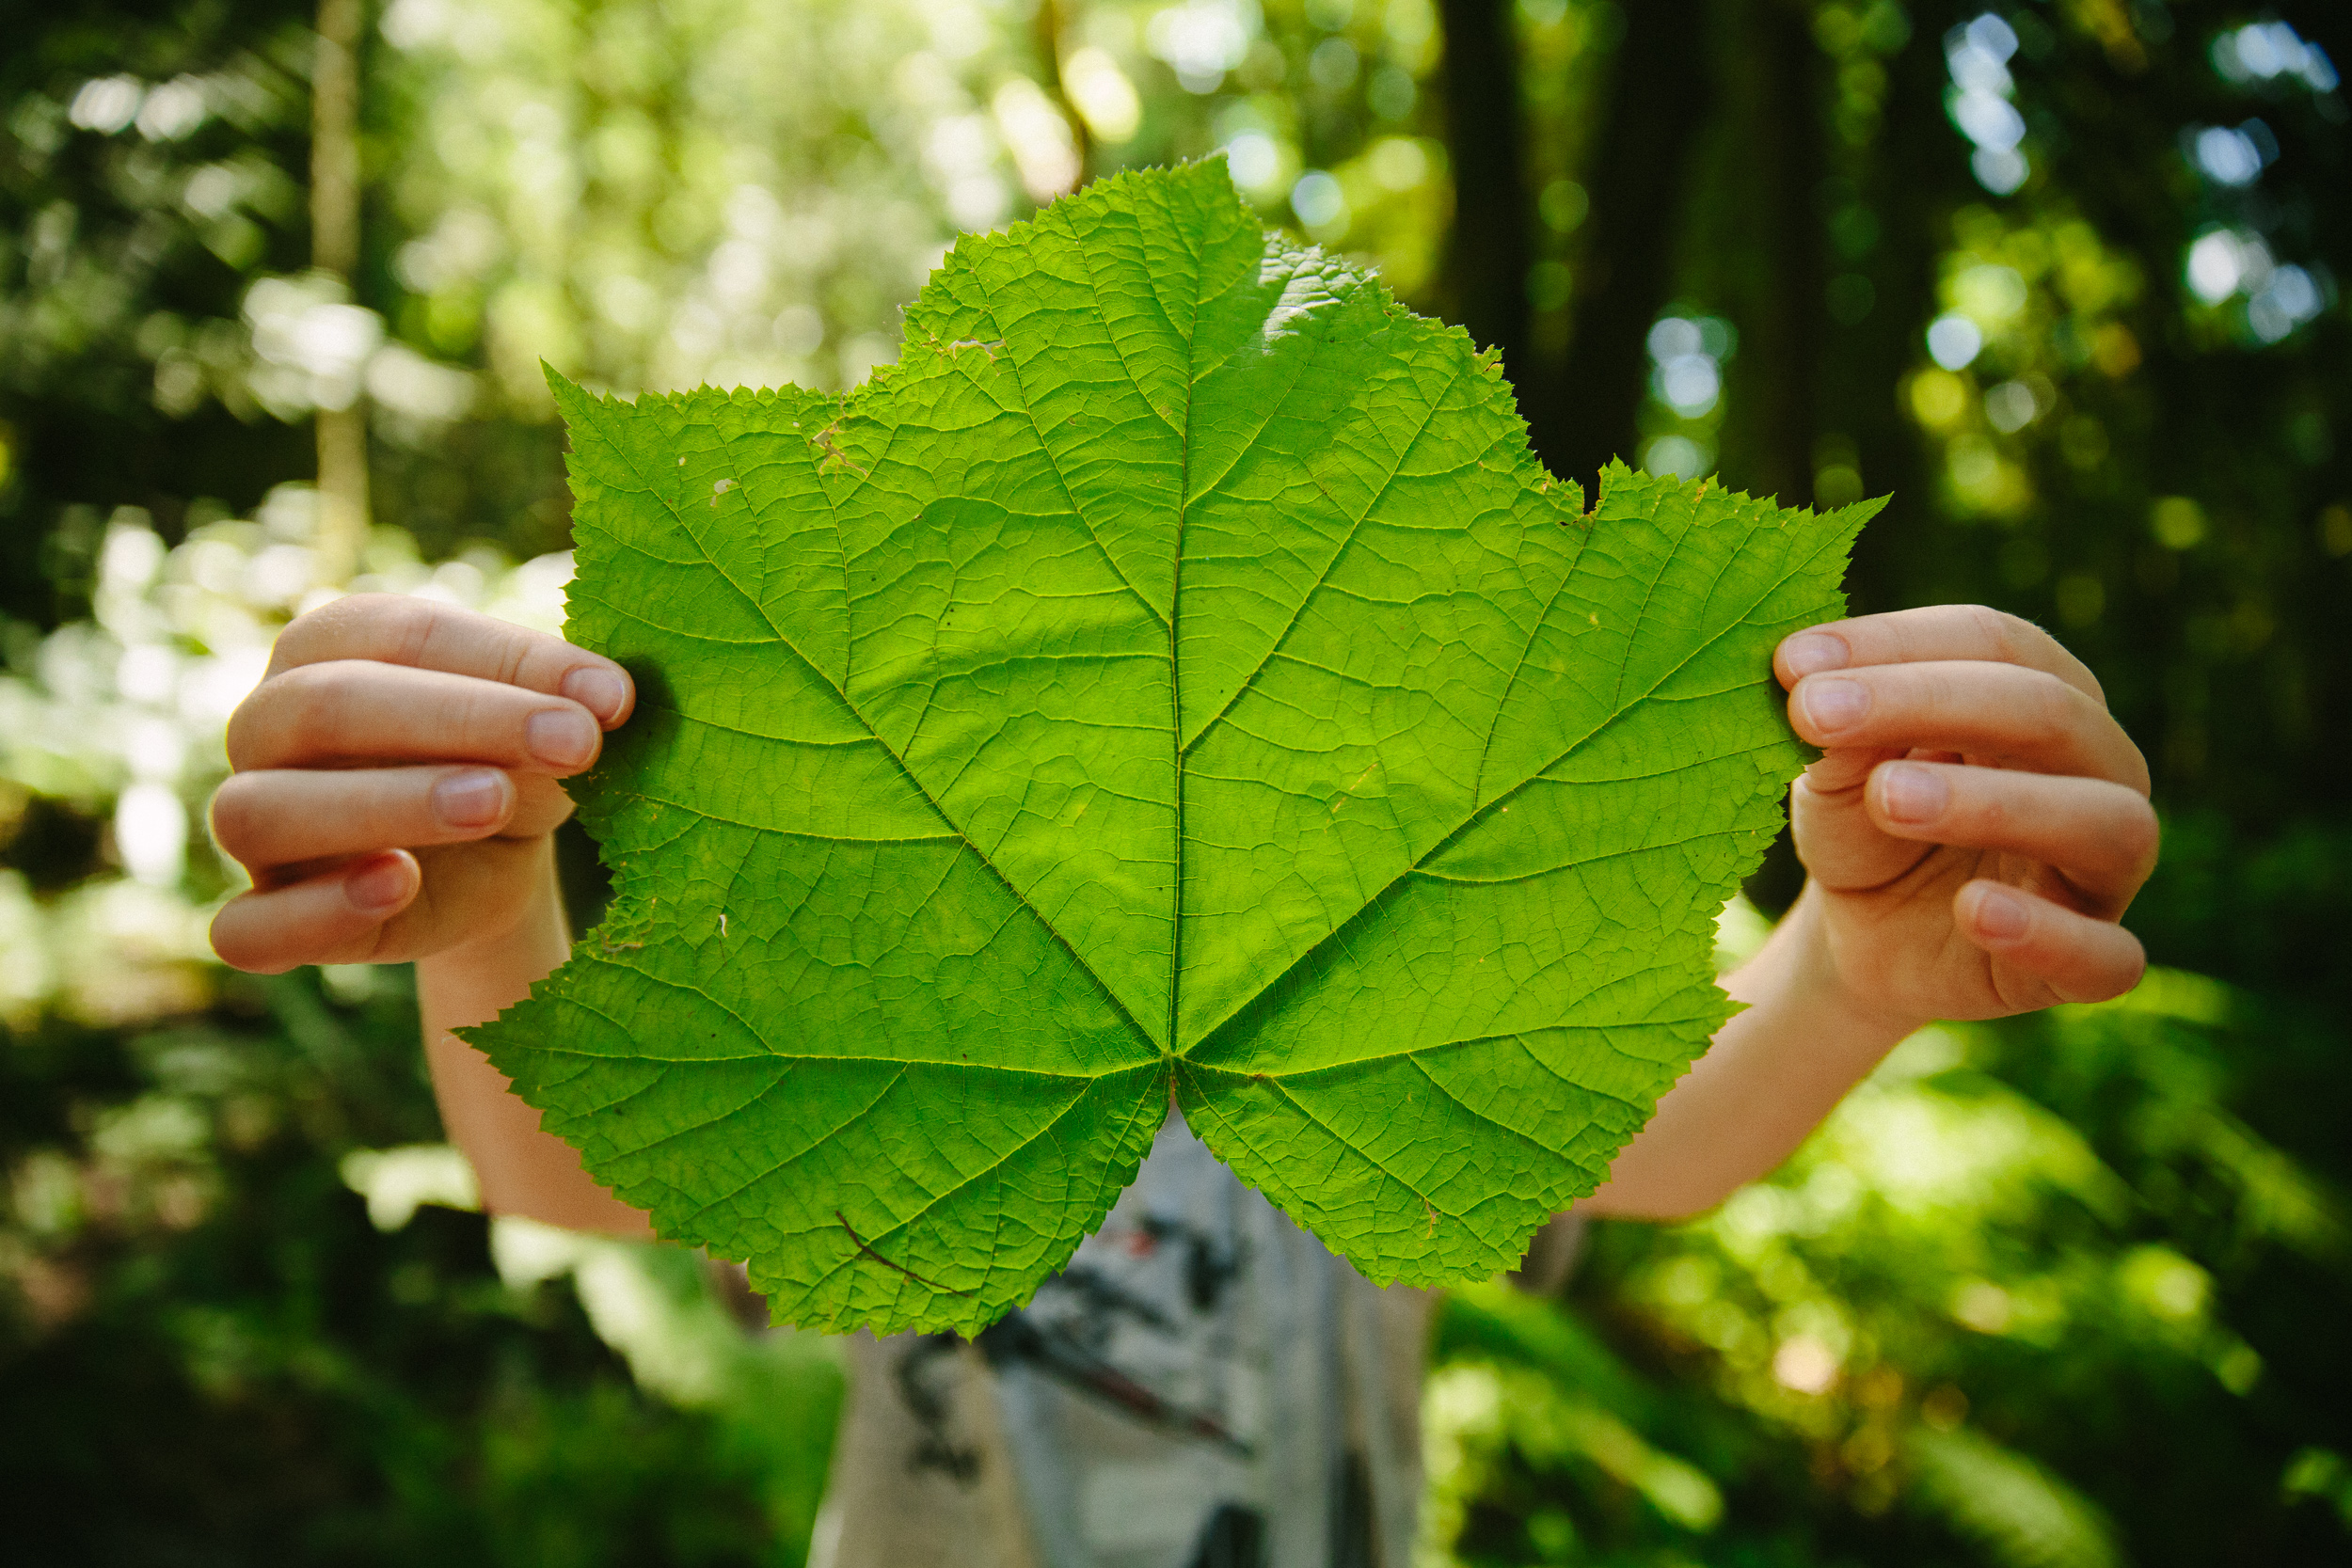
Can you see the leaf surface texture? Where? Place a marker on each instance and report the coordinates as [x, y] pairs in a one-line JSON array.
[[1172, 677]]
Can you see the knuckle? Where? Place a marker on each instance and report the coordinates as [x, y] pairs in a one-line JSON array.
[[366, 948], [283, 711], [307, 636], [2058, 709], [407, 625], [2138, 832], [241, 944], [2010, 639], [444, 637], [2089, 725], [313, 697], [1997, 629], [2120, 979], [2111, 963], [238, 739], [233, 815], [514, 653], [1935, 683], [1993, 815], [391, 628], [318, 635], [495, 718], [2136, 777], [1933, 701]]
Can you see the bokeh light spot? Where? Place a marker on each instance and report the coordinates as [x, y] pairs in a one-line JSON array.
[[1954, 340], [2178, 522], [1677, 456], [1319, 202], [1254, 160]]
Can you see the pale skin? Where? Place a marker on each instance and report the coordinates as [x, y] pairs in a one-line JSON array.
[[1973, 832]]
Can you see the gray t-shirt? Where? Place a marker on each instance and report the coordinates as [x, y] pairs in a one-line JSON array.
[[1205, 1385]]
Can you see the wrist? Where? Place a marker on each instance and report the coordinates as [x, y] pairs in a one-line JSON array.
[[497, 963], [1799, 968]]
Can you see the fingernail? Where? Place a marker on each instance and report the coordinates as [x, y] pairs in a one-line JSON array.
[[1835, 704], [600, 691], [470, 799], [2000, 916], [379, 887], [1912, 794], [1809, 652], [562, 736]]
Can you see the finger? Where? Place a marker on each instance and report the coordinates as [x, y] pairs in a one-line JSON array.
[[350, 710], [468, 889], [1998, 713], [335, 917], [1841, 847], [1847, 768], [1937, 634], [2100, 835], [391, 628], [2078, 957], [280, 818]]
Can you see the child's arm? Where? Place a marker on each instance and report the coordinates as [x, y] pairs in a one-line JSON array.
[[1973, 832], [394, 797]]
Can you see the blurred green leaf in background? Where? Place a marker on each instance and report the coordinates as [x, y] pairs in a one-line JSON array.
[[2064, 275], [2018, 1303]]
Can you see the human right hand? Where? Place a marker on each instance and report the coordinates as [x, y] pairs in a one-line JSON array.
[[1977, 822], [395, 787], [1972, 833]]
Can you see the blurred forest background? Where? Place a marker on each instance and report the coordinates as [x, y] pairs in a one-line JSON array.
[[2064, 276]]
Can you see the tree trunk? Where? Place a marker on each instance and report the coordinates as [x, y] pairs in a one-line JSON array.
[[1917, 174], [1782, 337], [1487, 253], [1046, 26], [342, 433], [1625, 275]]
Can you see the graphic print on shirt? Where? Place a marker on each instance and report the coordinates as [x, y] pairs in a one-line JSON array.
[[1204, 1386]]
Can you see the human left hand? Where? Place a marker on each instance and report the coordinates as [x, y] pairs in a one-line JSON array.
[[397, 784]]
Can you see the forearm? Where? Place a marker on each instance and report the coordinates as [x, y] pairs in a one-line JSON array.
[[1772, 1073], [522, 1169]]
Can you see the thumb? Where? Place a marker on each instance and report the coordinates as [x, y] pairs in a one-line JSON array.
[[1841, 848]]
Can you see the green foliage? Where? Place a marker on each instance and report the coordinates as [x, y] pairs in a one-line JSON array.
[[130, 219], [229, 1364], [656, 194], [1971, 1321], [1174, 674], [225, 1361]]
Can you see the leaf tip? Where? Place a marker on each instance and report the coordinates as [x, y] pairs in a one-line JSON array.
[[561, 386]]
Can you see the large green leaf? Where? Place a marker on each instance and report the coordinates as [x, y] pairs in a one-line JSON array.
[[1173, 675]]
